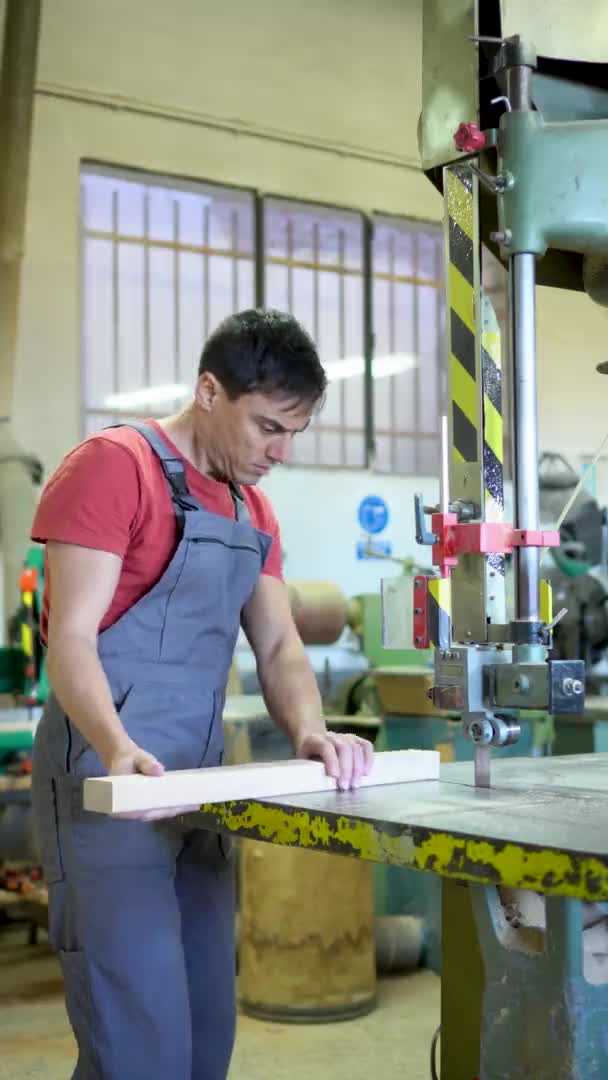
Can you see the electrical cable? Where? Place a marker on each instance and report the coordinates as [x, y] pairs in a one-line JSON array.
[[434, 1073]]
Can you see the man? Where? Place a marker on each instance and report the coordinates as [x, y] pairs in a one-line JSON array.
[[155, 555]]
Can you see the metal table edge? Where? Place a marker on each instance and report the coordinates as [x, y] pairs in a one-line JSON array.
[[459, 856]]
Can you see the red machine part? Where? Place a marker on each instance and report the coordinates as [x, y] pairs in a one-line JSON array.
[[28, 579], [481, 538], [468, 138], [421, 626]]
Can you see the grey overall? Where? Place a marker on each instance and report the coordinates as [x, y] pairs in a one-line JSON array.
[[142, 913]]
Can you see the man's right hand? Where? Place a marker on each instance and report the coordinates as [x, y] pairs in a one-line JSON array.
[[132, 759]]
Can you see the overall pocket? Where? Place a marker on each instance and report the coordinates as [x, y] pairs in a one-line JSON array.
[[46, 827]]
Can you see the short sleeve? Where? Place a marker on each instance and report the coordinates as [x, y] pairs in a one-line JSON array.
[[268, 523], [92, 499]]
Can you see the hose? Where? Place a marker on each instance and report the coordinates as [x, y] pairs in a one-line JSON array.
[[434, 1073]]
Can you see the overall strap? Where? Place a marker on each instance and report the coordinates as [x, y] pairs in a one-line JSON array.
[[175, 474], [173, 468], [241, 512]]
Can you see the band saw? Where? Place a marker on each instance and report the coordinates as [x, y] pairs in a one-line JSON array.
[[514, 132]]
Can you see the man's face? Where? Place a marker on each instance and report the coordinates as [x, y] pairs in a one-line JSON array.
[[246, 437]]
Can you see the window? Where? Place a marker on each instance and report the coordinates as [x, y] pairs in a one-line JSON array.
[[162, 264], [314, 269], [164, 261], [409, 329]]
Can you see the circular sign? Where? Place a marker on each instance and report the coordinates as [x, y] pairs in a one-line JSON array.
[[373, 514]]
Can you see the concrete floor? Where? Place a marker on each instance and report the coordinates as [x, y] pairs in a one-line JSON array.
[[36, 1042]]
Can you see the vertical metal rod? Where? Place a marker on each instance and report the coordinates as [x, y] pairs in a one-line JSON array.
[[445, 466], [368, 341], [176, 292], [392, 348], [417, 392], [522, 320], [289, 265], [234, 238], [316, 252], [146, 288], [342, 339], [259, 252], [115, 297], [85, 393], [439, 347], [206, 281]]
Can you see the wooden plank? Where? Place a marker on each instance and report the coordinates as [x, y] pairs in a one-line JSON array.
[[259, 780]]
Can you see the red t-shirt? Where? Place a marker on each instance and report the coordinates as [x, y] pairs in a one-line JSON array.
[[110, 493]]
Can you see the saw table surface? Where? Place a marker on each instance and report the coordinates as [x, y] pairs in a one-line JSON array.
[[542, 825]]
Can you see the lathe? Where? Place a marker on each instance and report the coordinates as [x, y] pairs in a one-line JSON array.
[[514, 131]]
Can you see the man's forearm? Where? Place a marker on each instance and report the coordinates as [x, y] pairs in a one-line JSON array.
[[291, 692], [82, 689]]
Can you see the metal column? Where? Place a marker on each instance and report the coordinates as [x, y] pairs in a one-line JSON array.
[[525, 429]]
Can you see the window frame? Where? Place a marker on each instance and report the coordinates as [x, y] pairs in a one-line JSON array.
[[259, 206]]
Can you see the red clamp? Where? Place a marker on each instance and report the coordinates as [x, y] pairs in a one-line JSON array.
[[469, 138], [481, 538]]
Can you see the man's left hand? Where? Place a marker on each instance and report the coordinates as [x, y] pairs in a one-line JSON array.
[[346, 757]]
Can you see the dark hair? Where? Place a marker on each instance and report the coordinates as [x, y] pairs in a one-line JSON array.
[[266, 351]]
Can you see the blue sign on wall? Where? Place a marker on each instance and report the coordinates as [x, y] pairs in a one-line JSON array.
[[373, 514], [374, 549]]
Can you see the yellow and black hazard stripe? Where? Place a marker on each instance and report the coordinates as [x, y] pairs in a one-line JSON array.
[[493, 445], [439, 613], [460, 239]]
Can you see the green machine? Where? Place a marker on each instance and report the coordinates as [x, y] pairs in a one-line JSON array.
[[524, 88], [23, 678], [514, 133], [24, 662]]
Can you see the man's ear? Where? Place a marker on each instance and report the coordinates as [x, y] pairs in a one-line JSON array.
[[207, 391]]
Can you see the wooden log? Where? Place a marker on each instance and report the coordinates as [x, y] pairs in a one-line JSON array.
[[307, 935], [261, 780]]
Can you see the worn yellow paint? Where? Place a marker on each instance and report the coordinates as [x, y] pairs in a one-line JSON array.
[[457, 455], [551, 872], [299, 828], [462, 297], [460, 203], [465, 859]]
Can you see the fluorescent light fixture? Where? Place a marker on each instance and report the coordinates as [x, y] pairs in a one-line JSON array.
[[147, 395], [350, 366]]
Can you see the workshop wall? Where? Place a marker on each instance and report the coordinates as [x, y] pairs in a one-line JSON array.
[[317, 101], [248, 101], [320, 532]]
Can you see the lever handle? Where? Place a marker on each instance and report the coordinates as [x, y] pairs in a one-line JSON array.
[[423, 536], [558, 618]]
